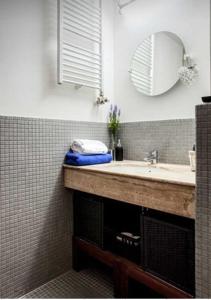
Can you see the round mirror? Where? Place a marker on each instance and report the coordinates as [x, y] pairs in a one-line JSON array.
[[155, 63]]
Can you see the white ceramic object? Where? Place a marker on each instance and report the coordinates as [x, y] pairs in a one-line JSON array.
[[192, 157]]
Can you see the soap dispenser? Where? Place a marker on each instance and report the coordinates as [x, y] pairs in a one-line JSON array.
[[119, 151]]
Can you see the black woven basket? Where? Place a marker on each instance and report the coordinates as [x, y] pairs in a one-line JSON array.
[[88, 218], [169, 252]]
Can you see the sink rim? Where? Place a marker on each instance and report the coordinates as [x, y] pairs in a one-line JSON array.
[[183, 174]]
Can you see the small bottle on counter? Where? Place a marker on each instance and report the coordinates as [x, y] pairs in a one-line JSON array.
[[119, 152], [192, 157]]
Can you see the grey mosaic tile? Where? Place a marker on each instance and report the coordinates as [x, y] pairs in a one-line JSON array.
[[89, 283], [35, 209], [203, 204], [172, 138]]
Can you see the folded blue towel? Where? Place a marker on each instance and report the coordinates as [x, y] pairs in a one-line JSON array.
[[77, 159]]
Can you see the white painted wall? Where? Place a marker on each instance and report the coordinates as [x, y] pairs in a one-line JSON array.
[[28, 64], [190, 20], [28, 55]]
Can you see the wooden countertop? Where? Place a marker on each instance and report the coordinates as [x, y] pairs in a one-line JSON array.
[[178, 174], [165, 187]]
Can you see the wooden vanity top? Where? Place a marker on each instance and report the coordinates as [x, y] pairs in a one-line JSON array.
[[165, 187]]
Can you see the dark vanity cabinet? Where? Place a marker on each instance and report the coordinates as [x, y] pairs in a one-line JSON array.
[[168, 248], [88, 217], [159, 243], [121, 221]]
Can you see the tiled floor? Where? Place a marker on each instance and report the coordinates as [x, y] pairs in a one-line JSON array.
[[89, 283]]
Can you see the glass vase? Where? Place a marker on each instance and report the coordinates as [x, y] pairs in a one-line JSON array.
[[113, 145]]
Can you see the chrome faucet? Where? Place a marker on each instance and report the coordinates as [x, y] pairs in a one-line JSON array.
[[152, 157]]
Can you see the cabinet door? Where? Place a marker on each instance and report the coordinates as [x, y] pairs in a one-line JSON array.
[[88, 217], [169, 251]]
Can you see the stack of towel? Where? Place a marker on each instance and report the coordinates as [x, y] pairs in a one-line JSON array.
[[87, 152]]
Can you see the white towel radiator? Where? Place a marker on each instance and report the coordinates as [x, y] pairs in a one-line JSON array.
[[80, 43]]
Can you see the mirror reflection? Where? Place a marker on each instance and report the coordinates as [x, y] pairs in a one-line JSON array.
[[155, 63]]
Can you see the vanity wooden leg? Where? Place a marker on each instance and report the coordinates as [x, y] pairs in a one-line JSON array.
[[120, 280], [78, 257]]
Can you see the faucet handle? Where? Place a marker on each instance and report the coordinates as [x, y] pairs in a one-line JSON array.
[[154, 152], [151, 156]]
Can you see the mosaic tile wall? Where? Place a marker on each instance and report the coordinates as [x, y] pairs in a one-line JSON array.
[[35, 209], [203, 204], [172, 138]]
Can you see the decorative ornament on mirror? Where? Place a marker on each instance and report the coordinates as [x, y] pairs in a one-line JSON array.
[[189, 72]]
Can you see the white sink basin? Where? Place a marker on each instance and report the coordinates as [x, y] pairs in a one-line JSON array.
[[164, 172], [132, 168]]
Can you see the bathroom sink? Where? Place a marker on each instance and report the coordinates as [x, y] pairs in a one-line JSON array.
[[166, 187], [163, 172], [143, 167], [131, 169]]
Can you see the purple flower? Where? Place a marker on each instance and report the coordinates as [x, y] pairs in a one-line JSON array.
[[115, 112]]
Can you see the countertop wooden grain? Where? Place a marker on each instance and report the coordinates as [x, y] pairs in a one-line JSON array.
[[165, 187]]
